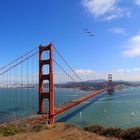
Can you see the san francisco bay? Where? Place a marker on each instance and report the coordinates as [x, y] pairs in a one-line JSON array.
[[120, 109]]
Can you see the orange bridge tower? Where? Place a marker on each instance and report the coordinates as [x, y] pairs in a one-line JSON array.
[[49, 77]]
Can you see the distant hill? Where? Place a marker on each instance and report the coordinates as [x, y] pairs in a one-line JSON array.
[[96, 81], [97, 84]]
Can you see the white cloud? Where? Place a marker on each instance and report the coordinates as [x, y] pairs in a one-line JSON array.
[[136, 69], [117, 30], [105, 9], [110, 17], [89, 74], [126, 74], [128, 70], [132, 48], [99, 7], [85, 72], [137, 2], [121, 70], [132, 74]]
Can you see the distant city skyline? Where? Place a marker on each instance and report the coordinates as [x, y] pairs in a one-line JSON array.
[[114, 48]]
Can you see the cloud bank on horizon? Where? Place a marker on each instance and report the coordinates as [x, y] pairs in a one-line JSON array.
[[119, 74]]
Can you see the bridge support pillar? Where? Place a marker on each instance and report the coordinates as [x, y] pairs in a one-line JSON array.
[[110, 85], [49, 77]]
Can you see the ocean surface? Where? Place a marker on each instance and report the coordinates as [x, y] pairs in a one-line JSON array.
[[120, 109]]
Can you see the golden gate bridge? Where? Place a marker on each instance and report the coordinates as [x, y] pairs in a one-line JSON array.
[[33, 82]]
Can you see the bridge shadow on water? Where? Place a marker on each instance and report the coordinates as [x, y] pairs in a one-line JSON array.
[[80, 109]]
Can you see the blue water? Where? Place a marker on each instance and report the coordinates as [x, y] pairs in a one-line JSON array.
[[22, 102], [120, 109]]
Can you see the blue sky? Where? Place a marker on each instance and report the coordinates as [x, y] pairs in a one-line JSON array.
[[115, 48]]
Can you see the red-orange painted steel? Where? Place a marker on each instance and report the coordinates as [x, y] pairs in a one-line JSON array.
[[51, 88], [50, 95], [110, 83], [109, 77], [77, 102], [41, 101], [49, 77], [71, 105]]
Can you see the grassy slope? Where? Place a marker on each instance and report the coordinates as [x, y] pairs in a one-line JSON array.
[[59, 132]]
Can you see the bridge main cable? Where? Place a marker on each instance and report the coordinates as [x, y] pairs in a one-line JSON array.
[[18, 63], [18, 58], [82, 82]]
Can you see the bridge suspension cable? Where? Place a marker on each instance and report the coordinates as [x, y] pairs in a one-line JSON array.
[[18, 59], [80, 80], [18, 87], [17, 63], [19, 83]]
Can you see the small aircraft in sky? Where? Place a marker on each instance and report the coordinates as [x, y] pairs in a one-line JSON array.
[[88, 32], [91, 35], [85, 29]]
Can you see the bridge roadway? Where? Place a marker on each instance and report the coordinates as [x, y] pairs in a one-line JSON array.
[[34, 119], [72, 104], [60, 110]]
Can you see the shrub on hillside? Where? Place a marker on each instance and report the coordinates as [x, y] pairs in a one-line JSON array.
[[112, 132], [131, 134], [95, 129], [9, 130]]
